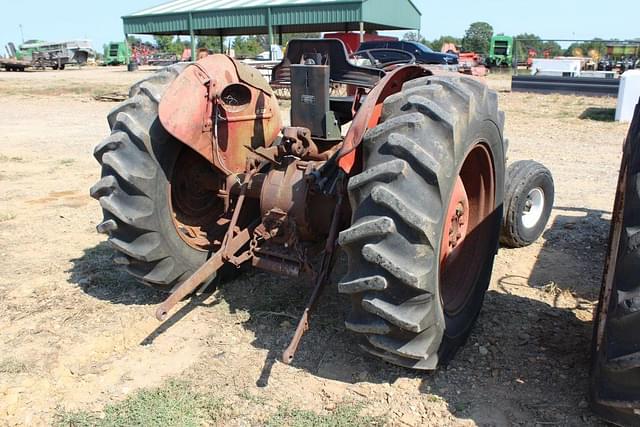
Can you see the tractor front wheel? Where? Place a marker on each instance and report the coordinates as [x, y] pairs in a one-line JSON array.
[[427, 211], [528, 201]]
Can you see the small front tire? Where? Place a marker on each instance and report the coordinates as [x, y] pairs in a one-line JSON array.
[[528, 201]]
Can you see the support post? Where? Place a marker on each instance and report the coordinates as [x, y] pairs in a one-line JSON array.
[[193, 38], [361, 32], [271, 40], [280, 36], [126, 43], [221, 43]]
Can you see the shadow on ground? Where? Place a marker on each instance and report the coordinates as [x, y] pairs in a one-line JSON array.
[[572, 257], [599, 114], [97, 275], [526, 361]]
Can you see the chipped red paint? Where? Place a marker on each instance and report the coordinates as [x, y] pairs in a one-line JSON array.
[[369, 114], [193, 112]]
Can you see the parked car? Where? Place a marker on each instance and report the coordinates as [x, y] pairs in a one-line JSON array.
[[423, 54], [352, 40]]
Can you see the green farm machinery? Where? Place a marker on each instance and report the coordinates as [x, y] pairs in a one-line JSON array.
[[501, 51], [117, 53]]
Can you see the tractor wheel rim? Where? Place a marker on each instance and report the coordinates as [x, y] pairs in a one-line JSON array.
[[533, 209], [467, 229], [194, 202], [456, 220]]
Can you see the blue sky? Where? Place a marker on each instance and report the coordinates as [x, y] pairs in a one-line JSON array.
[[100, 21]]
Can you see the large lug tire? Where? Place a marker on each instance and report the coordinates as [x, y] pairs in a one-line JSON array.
[[615, 375], [528, 201], [433, 139], [137, 162]]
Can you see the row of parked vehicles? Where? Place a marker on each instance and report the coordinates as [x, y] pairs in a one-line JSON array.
[[623, 64]]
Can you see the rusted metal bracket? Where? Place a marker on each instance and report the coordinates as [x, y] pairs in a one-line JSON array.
[[319, 285], [232, 243], [203, 273]]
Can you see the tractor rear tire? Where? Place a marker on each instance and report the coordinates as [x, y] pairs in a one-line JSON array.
[[615, 371], [137, 162], [436, 133]]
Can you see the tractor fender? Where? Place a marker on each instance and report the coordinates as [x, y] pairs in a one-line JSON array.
[[370, 111], [217, 106]]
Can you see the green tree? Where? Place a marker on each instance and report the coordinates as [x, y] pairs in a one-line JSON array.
[[164, 43], [477, 38], [263, 39], [439, 42], [171, 44], [584, 48], [415, 36], [286, 38], [134, 41], [211, 43], [526, 41], [553, 47], [247, 47]]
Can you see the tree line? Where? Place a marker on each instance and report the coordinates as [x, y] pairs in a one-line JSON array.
[[478, 36], [244, 46]]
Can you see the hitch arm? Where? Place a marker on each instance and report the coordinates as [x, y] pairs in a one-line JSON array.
[[320, 283], [230, 245], [212, 265]]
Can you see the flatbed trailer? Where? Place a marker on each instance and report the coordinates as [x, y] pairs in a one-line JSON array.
[[14, 64]]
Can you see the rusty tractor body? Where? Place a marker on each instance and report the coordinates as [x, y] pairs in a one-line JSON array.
[[200, 177]]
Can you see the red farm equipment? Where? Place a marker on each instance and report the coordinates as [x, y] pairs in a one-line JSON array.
[[200, 177]]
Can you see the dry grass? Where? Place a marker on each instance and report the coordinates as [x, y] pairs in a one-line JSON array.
[[6, 216], [10, 159]]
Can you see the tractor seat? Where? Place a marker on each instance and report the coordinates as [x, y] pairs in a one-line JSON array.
[[331, 52]]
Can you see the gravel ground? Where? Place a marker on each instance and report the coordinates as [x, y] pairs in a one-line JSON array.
[[76, 333]]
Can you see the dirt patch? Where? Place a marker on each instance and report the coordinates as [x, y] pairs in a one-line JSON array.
[[79, 334]]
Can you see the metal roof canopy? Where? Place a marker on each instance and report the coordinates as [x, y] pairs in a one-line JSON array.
[[248, 17]]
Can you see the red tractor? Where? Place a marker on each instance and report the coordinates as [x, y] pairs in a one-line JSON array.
[[200, 177]]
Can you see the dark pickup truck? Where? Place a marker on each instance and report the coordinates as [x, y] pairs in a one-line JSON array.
[[423, 54]]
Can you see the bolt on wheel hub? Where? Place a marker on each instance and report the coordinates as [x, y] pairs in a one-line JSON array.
[[533, 208], [458, 219]]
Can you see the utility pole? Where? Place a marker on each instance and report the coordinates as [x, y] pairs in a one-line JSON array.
[[21, 33]]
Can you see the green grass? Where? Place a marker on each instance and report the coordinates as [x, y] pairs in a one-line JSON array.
[[174, 404], [182, 404], [76, 419], [433, 398], [599, 114], [249, 397], [13, 366], [342, 416]]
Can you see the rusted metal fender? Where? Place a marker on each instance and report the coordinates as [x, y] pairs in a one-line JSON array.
[[217, 106], [368, 115]]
